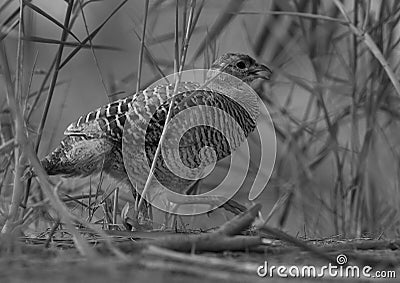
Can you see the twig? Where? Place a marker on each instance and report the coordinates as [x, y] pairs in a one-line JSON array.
[[369, 42], [140, 63], [50, 18], [44, 40], [149, 56], [7, 167], [360, 244], [366, 18], [24, 143], [188, 34], [56, 65], [240, 222], [287, 238], [77, 201], [18, 190], [92, 35], [278, 204], [41, 89], [92, 49], [5, 31], [7, 146], [55, 74], [296, 14], [46, 186], [115, 206], [52, 231], [5, 4], [164, 131], [225, 238], [11, 17], [176, 41], [25, 104], [232, 8]]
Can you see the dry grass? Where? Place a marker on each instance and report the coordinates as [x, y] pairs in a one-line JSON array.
[[334, 101], [340, 142]]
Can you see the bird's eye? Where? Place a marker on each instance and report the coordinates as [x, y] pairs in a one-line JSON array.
[[241, 65]]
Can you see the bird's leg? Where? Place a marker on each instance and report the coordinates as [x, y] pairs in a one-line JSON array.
[[228, 204], [137, 220], [192, 190], [145, 214], [175, 220]]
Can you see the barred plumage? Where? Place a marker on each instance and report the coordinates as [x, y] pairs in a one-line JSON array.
[[197, 137]]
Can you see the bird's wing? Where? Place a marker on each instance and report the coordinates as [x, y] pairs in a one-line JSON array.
[[200, 118], [108, 121]]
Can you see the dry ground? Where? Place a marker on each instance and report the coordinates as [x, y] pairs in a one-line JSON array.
[[30, 261]]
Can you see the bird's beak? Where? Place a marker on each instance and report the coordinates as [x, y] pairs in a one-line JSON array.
[[261, 71]]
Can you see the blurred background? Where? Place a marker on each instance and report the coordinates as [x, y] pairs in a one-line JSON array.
[[334, 107]]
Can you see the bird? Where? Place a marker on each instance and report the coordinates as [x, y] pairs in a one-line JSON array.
[[94, 142]]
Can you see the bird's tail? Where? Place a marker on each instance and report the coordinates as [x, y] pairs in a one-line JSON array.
[[30, 172], [52, 163]]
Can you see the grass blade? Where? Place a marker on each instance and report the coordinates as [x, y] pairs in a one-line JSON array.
[[222, 22], [92, 34], [140, 62]]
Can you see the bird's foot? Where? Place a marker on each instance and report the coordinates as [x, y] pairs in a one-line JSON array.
[[134, 220]]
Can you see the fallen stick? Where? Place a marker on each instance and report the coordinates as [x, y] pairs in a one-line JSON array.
[[325, 253], [299, 243], [363, 245], [224, 238]]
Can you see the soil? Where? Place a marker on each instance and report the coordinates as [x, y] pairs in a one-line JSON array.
[[27, 260]]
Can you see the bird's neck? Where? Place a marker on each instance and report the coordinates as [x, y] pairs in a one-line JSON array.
[[236, 89]]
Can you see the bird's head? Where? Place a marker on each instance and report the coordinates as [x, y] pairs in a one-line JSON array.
[[242, 67], [231, 73]]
